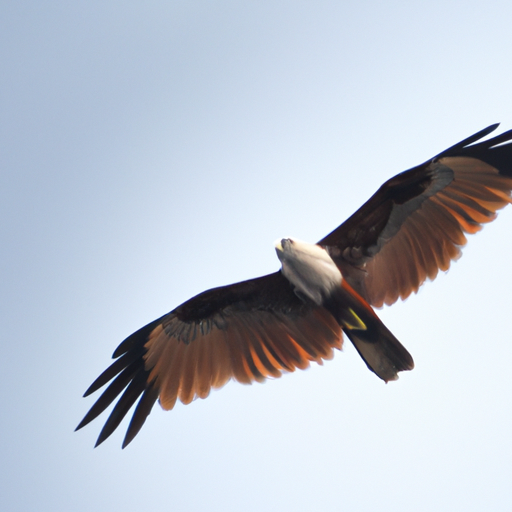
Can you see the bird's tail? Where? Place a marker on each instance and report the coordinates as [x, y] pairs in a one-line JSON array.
[[381, 351]]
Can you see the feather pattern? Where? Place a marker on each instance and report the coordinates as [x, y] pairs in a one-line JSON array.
[[410, 229], [254, 336], [415, 224]]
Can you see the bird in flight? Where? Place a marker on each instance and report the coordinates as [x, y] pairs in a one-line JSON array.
[[411, 228]]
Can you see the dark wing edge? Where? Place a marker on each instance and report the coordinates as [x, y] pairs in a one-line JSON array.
[[248, 332], [415, 224], [128, 374]]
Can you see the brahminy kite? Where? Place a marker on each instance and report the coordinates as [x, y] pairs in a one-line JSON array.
[[411, 228]]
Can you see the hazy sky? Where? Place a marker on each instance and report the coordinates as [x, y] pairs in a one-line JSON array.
[[151, 150]]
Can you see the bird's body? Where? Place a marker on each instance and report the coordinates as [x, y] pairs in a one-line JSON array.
[[309, 269], [411, 228], [314, 276]]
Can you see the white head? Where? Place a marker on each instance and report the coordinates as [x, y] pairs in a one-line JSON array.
[[309, 268]]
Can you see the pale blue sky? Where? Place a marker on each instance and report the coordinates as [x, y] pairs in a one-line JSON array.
[[151, 150]]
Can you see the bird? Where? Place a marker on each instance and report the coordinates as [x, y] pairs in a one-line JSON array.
[[413, 227]]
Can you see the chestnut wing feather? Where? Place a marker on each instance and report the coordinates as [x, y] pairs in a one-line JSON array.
[[247, 331], [415, 224]]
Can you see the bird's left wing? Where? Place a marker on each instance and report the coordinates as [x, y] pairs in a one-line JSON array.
[[246, 331], [415, 224]]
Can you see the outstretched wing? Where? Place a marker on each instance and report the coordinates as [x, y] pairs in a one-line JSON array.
[[247, 331], [415, 224]]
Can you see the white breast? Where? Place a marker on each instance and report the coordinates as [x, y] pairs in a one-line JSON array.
[[309, 268]]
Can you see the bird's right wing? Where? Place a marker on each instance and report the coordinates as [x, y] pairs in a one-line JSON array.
[[246, 331]]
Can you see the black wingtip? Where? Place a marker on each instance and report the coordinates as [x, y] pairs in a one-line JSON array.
[[136, 339], [108, 429], [469, 140], [479, 135], [490, 128], [142, 411], [127, 441], [90, 390], [80, 425], [100, 440], [495, 151]]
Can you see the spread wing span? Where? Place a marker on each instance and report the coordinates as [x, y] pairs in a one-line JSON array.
[[411, 228]]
